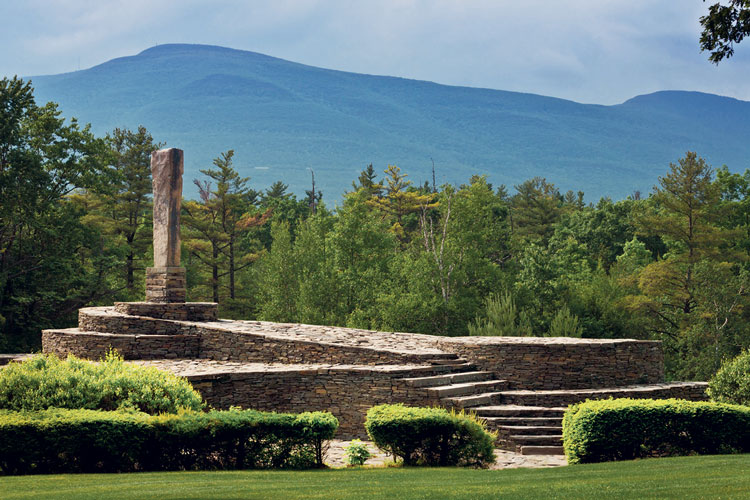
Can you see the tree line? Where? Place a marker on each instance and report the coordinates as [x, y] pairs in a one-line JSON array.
[[75, 230]]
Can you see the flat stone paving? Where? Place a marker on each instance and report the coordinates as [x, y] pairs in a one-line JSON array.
[[336, 457], [390, 341], [373, 339], [353, 337], [206, 367]]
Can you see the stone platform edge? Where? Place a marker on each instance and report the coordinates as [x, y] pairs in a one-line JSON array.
[[185, 311]]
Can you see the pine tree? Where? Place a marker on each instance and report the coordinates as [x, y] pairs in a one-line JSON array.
[[216, 222], [399, 201], [367, 181], [534, 210]]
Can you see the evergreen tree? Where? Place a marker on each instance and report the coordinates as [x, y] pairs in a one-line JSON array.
[[534, 210], [216, 223], [501, 318], [123, 209], [367, 181], [399, 201]]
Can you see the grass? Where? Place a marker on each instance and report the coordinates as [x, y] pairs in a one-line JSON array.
[[716, 477]]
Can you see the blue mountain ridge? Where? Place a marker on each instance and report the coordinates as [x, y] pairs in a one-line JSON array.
[[283, 118]]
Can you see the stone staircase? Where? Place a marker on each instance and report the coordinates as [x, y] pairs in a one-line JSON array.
[[528, 421]]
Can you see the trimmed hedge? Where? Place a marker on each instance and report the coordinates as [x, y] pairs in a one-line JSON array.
[[731, 384], [46, 381], [430, 436], [63, 441], [624, 429]]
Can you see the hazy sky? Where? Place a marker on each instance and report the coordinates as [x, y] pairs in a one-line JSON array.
[[598, 51]]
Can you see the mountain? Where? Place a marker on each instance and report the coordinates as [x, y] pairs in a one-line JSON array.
[[282, 118]]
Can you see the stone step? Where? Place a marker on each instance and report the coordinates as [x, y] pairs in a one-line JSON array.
[[445, 369], [469, 402], [535, 430], [11, 358], [518, 411], [467, 388], [542, 450], [452, 360], [558, 398], [449, 378], [523, 421], [545, 440]]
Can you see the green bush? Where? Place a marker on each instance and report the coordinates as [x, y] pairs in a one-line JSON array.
[[64, 441], [46, 381], [430, 436], [357, 453], [731, 384], [624, 429]]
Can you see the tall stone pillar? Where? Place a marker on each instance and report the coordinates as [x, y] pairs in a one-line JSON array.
[[165, 282]]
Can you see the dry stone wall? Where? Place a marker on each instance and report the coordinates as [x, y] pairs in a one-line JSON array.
[[347, 392], [189, 311], [94, 345], [562, 363]]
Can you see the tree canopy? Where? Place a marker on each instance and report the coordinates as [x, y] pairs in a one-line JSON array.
[[723, 27]]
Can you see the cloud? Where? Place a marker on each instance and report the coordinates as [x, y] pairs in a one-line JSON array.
[[586, 50]]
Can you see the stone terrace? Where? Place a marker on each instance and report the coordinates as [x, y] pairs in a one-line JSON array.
[[520, 386]]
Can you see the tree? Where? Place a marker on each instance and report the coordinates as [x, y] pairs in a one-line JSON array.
[[50, 262], [501, 318], [399, 201], [685, 218], [319, 301], [362, 249], [367, 181], [122, 209], [678, 292], [534, 210], [216, 223], [277, 191], [279, 291], [723, 27]]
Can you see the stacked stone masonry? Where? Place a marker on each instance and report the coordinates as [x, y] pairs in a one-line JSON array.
[[190, 311], [165, 284], [563, 363], [292, 367], [348, 391]]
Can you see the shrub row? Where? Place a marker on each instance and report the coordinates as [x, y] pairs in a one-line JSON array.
[[623, 429], [430, 436], [46, 381], [62, 441]]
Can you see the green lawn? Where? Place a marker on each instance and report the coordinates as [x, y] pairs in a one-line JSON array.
[[715, 477]]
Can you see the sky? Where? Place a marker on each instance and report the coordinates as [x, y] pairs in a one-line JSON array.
[[591, 51]]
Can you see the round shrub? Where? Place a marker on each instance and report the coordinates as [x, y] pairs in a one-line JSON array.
[[46, 381], [731, 384], [430, 436]]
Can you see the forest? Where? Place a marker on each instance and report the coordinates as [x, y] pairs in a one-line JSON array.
[[472, 259]]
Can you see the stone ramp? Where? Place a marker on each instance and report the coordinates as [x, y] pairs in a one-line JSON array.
[[249, 341]]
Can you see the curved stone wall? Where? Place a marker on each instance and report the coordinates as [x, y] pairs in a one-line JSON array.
[[94, 345]]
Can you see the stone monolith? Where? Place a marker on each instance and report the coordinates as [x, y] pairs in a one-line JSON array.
[[165, 282]]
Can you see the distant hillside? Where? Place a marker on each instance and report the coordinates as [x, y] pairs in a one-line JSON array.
[[282, 118]]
